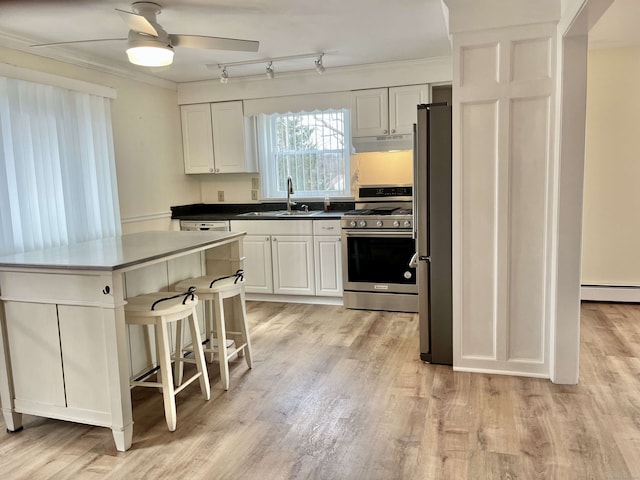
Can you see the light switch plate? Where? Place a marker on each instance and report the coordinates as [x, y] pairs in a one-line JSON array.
[[221, 195], [254, 184], [254, 195]]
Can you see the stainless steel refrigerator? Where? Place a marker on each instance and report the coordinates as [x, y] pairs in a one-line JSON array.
[[432, 230]]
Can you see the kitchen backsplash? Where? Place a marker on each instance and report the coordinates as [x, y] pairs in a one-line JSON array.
[[381, 168]]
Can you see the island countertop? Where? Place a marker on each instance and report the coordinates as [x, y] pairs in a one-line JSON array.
[[118, 252]]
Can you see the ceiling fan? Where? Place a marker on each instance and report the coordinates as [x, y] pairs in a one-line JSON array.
[[149, 45]]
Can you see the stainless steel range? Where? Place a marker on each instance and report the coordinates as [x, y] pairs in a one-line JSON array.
[[377, 246]]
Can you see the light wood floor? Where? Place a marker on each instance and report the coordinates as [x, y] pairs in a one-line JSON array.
[[338, 394]]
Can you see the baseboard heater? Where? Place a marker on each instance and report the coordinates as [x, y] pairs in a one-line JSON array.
[[610, 293]]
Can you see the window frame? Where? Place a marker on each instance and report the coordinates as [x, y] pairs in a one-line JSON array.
[[269, 173]]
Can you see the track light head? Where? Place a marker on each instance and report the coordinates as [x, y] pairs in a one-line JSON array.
[[319, 66], [270, 73], [224, 76]]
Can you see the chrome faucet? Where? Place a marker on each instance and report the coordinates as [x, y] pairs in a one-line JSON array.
[[289, 193]]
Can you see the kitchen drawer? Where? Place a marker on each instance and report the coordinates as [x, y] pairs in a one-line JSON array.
[[71, 289], [326, 227], [273, 227]]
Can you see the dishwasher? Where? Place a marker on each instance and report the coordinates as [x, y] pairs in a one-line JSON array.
[[214, 226], [217, 226]]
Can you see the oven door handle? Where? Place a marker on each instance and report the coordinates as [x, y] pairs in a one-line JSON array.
[[377, 233]]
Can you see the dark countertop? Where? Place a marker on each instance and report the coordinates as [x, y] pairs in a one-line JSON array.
[[215, 212], [212, 217]]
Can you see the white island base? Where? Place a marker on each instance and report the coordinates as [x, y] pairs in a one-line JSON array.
[[65, 350]]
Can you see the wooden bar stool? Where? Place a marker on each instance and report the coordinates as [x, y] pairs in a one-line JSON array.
[[213, 290], [159, 309]]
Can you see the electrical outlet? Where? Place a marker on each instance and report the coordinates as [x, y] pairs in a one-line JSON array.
[[254, 194], [254, 185], [221, 195]]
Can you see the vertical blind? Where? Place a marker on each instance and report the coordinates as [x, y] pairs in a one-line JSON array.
[[57, 167]]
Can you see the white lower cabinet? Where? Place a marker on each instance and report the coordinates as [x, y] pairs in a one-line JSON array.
[[50, 362], [36, 358], [327, 249], [292, 257], [257, 264], [328, 267], [293, 264]]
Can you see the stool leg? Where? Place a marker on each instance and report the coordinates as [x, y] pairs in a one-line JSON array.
[[209, 329], [156, 337], [199, 354], [244, 328], [164, 360], [178, 366], [222, 342]]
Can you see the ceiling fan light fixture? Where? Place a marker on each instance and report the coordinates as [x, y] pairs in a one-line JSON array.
[[152, 55], [270, 72], [319, 66]]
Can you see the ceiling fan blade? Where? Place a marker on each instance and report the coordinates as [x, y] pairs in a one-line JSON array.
[[137, 22], [214, 43], [76, 41]]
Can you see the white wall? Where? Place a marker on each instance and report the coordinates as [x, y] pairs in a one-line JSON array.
[[147, 142], [611, 223]]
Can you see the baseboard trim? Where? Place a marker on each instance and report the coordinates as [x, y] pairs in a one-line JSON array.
[[609, 293], [260, 297]]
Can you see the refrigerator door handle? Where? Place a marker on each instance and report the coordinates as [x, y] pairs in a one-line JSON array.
[[413, 263], [424, 258]]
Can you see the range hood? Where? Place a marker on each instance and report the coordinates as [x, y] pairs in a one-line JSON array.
[[382, 143]]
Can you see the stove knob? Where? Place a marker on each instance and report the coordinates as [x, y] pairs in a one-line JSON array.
[[363, 223], [396, 223], [379, 223], [406, 224], [352, 223]]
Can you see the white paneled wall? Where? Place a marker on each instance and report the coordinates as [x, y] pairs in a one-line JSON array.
[[503, 99]]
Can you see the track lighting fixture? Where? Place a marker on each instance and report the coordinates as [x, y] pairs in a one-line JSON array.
[[224, 76], [270, 71], [319, 66]]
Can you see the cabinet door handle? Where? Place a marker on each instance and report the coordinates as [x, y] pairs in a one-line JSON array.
[[385, 131], [393, 131], [211, 170]]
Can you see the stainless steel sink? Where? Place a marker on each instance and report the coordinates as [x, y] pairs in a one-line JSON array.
[[279, 213], [258, 214], [296, 213]]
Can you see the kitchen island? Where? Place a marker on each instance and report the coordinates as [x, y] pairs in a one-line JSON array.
[[65, 350]]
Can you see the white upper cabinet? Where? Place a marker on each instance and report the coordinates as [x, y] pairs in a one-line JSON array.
[[197, 138], [216, 138], [403, 102], [384, 111], [370, 112]]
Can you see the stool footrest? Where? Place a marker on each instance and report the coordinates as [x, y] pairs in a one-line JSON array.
[[145, 384], [187, 382], [192, 361], [235, 351]]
